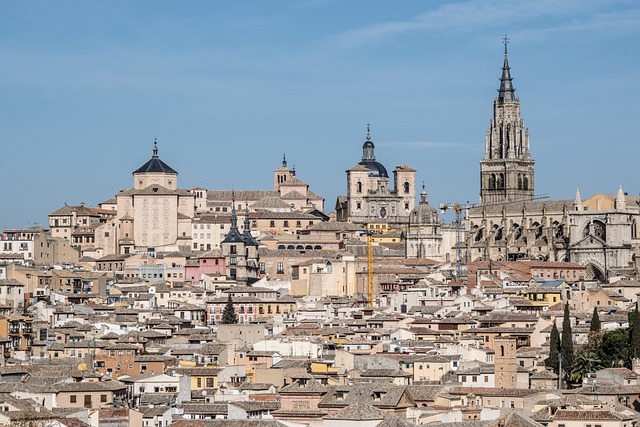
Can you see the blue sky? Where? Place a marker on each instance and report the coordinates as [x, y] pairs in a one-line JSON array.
[[228, 87]]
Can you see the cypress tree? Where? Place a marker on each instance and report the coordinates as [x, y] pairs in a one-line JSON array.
[[595, 332], [566, 344], [229, 313], [634, 334], [554, 350]]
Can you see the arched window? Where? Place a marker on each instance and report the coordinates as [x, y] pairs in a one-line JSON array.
[[502, 350], [492, 181], [359, 187], [519, 181], [634, 230], [525, 183], [406, 187]]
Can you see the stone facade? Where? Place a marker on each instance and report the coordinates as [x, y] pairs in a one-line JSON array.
[[506, 171], [370, 197]]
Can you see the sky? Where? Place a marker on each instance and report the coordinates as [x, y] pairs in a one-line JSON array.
[[227, 88]]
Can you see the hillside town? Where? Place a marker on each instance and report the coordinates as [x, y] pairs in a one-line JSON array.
[[166, 306]]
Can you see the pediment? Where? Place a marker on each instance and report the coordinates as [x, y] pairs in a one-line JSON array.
[[590, 242]]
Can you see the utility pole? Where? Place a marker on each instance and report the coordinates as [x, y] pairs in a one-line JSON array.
[[559, 371]]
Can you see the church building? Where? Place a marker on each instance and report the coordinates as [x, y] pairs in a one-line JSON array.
[[155, 215], [370, 197]]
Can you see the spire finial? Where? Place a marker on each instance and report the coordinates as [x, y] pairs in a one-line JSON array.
[[505, 41], [284, 160], [506, 91], [368, 132], [423, 194], [234, 218], [155, 147]]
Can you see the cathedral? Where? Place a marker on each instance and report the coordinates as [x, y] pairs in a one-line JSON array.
[[600, 232], [370, 198]]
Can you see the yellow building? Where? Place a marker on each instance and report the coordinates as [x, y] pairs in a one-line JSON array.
[[201, 377]]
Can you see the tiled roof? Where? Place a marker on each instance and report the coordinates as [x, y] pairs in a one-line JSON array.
[[359, 411]]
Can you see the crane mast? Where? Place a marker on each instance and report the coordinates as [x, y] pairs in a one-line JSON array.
[[458, 209]]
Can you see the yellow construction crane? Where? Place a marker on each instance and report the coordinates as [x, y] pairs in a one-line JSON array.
[[369, 234]]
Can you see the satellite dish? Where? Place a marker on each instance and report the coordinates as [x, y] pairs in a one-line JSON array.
[[82, 367]]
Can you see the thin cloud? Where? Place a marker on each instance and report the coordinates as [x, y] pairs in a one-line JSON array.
[[474, 15]]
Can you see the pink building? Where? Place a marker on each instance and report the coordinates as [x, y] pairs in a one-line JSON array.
[[209, 263]]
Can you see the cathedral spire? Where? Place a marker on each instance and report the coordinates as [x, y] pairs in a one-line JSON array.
[[506, 91], [577, 201], [367, 148], [621, 200]]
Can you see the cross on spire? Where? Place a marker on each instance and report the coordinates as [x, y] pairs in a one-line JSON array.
[[368, 132], [155, 147], [505, 42]]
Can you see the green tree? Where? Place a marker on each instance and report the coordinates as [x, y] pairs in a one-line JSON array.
[[586, 362], [614, 349], [634, 335], [595, 332], [229, 314], [566, 344], [554, 348]]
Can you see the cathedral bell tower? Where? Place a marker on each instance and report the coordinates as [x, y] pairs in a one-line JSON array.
[[507, 169]]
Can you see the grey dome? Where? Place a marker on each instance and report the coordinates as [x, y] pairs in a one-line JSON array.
[[423, 214], [375, 168]]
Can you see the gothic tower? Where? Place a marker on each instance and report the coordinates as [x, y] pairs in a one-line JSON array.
[[506, 171]]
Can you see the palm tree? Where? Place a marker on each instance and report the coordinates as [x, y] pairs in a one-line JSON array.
[[584, 364]]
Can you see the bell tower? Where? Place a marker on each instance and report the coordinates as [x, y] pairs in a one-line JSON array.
[[507, 169]]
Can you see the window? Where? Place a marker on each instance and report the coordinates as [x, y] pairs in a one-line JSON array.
[[233, 250], [285, 223], [272, 223], [209, 382], [232, 260], [199, 382], [280, 269], [103, 398], [87, 400], [73, 398]]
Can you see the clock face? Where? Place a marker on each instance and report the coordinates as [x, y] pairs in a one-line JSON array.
[[383, 212]]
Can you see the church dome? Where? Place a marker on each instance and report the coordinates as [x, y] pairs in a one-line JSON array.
[[423, 214], [155, 165], [376, 169]]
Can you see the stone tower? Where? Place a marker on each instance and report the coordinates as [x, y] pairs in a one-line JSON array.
[[505, 363], [507, 169], [282, 174], [240, 251]]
